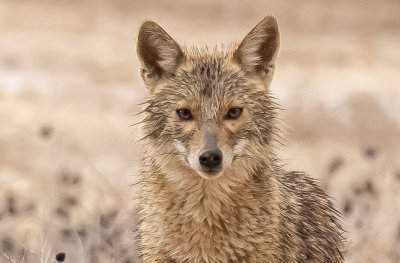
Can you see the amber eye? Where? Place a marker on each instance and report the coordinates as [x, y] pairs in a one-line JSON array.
[[234, 113], [184, 114]]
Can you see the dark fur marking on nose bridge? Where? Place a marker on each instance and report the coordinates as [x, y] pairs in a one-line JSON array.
[[210, 141]]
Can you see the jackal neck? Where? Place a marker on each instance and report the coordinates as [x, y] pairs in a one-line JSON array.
[[205, 215], [204, 199]]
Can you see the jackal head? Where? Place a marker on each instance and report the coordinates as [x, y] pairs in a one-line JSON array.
[[209, 112]]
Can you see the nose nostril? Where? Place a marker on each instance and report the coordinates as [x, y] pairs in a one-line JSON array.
[[211, 159], [203, 159]]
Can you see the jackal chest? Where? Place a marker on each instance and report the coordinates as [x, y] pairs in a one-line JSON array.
[[229, 234]]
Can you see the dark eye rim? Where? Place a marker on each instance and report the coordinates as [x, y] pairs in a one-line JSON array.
[[236, 115], [182, 117]]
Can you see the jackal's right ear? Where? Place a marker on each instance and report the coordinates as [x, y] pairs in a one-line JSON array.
[[258, 51], [158, 53]]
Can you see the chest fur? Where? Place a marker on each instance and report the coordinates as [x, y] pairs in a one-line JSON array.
[[204, 226]]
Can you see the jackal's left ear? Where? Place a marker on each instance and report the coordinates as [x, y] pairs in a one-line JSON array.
[[158, 53], [258, 51]]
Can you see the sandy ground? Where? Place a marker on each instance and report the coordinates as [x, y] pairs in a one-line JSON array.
[[70, 88]]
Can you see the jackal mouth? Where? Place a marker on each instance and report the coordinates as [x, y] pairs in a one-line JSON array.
[[211, 172]]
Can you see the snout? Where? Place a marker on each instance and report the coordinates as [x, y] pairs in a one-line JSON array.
[[211, 161]]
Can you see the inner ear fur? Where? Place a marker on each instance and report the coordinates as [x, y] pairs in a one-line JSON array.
[[257, 52], [158, 53]]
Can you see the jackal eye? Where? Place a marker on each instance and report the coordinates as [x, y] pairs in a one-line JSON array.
[[234, 113], [184, 114]]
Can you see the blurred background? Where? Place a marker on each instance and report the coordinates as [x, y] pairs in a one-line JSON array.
[[70, 89]]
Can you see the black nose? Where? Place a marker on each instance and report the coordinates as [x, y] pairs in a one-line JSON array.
[[211, 159]]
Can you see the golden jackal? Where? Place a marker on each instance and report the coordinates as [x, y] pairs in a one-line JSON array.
[[211, 188]]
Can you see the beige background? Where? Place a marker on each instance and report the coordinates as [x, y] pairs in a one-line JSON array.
[[70, 89]]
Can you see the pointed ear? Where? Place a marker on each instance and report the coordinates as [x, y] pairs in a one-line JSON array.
[[258, 51], [158, 53]]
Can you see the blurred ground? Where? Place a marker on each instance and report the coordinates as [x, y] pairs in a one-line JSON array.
[[69, 89]]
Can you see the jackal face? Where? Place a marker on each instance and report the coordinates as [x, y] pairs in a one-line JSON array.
[[209, 111]]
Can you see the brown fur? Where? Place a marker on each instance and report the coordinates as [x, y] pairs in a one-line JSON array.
[[249, 211]]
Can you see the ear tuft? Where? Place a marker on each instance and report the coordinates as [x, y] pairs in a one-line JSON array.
[[159, 54], [258, 51]]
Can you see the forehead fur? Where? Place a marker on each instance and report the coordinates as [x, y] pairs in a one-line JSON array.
[[207, 73], [210, 63]]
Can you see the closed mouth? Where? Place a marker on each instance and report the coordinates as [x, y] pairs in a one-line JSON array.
[[211, 172]]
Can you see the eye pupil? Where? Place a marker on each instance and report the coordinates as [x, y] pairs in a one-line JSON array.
[[234, 113], [184, 114]]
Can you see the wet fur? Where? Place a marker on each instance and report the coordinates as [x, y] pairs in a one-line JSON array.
[[254, 211]]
